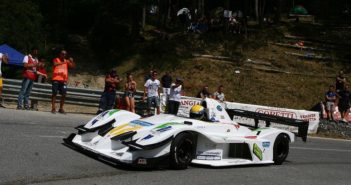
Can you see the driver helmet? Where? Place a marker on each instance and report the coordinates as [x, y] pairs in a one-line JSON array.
[[197, 112]]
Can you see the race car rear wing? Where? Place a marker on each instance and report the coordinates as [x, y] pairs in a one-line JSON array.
[[301, 124]]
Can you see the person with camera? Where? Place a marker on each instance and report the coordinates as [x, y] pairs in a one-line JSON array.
[[60, 79], [30, 74]]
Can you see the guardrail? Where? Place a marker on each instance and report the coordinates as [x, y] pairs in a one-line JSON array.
[[75, 96]]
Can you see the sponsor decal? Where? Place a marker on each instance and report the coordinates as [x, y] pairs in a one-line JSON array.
[[266, 144], [148, 137], [142, 161], [209, 155], [257, 151], [309, 117], [280, 113], [190, 103], [140, 123], [112, 112], [219, 108]]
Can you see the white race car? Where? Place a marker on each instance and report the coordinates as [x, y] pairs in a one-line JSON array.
[[122, 137]]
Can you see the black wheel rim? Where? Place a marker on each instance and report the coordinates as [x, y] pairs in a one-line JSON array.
[[184, 151]]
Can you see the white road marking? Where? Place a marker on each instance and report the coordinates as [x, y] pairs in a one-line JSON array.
[[45, 136], [332, 139], [321, 149], [52, 136]]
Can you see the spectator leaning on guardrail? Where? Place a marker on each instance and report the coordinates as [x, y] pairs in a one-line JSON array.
[[3, 58], [60, 78], [30, 63], [219, 95], [108, 97]]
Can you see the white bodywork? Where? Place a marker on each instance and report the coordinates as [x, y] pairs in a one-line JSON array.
[[218, 143]]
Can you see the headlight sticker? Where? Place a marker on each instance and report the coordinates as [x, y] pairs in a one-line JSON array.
[[257, 151]]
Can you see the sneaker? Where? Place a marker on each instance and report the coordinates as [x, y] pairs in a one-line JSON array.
[[62, 111], [26, 108], [53, 111], [19, 107]]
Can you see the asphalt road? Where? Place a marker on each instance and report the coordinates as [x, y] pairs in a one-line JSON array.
[[31, 152]]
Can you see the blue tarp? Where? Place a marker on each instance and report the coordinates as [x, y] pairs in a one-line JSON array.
[[16, 58]]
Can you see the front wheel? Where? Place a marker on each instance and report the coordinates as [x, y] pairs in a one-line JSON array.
[[281, 149], [182, 151]]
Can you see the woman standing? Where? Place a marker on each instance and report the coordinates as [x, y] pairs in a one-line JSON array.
[[129, 92]]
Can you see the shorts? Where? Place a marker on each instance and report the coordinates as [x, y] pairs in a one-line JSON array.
[[129, 94], [59, 87], [0, 81], [153, 101], [330, 106]]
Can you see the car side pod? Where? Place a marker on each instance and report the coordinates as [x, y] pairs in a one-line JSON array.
[[301, 124]]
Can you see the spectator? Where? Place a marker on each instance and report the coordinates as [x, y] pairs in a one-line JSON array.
[[153, 97], [30, 63], [344, 102], [204, 93], [166, 82], [340, 81], [129, 93], [42, 71], [108, 97], [3, 58], [148, 76], [219, 95], [330, 97], [175, 96], [60, 78]]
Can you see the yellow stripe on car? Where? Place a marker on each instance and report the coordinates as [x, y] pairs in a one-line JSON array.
[[123, 129]]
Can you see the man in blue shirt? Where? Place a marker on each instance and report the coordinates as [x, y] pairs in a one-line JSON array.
[[330, 97]]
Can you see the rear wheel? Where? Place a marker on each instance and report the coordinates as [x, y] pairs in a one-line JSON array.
[[281, 149], [182, 151]]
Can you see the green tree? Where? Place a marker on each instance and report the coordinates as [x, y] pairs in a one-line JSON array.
[[21, 26]]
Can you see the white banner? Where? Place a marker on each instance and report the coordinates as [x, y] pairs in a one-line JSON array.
[[313, 117]]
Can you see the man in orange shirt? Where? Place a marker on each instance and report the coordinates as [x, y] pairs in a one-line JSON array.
[[60, 78]]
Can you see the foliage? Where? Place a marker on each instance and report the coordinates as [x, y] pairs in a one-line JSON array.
[[21, 24]]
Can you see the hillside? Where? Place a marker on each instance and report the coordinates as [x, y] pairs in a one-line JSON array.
[[262, 68]]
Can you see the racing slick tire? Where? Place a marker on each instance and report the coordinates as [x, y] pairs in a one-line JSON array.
[[281, 148], [182, 151]]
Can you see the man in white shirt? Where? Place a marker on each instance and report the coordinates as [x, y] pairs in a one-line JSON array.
[[3, 58], [30, 63], [219, 95], [153, 97], [174, 98]]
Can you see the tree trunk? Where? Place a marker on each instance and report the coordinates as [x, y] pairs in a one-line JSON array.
[[143, 17], [260, 8]]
